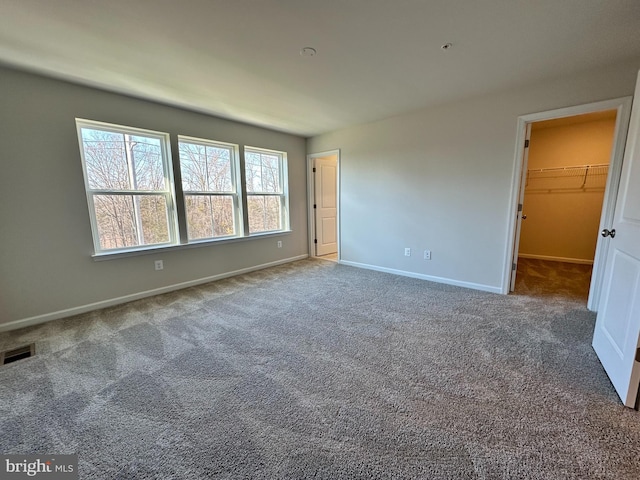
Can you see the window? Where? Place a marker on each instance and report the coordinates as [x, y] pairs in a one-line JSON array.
[[129, 186], [209, 182], [130, 189], [266, 189]]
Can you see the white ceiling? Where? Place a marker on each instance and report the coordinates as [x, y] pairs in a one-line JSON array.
[[240, 59]]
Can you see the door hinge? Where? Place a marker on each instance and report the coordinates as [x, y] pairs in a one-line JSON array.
[[526, 144], [314, 206], [638, 355], [519, 207], [314, 169], [513, 266], [315, 240]]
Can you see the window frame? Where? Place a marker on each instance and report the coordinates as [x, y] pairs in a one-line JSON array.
[[168, 192], [283, 195], [236, 194]]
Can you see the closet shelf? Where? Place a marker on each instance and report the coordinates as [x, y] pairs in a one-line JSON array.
[[569, 177]]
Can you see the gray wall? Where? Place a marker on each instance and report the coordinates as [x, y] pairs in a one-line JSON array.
[[441, 179], [45, 244]]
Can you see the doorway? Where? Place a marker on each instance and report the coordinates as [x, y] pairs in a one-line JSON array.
[[323, 188], [567, 169], [566, 195]]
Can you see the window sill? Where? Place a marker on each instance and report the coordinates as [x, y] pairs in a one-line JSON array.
[[99, 257]]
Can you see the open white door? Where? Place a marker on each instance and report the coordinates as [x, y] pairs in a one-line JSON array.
[[617, 333], [523, 179], [325, 176]]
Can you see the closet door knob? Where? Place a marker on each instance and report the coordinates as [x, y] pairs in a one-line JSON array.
[[608, 233], [524, 217]]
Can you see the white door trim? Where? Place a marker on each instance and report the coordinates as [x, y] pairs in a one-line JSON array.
[[520, 212], [623, 107], [311, 197]]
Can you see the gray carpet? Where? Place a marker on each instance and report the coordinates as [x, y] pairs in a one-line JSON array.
[[319, 370], [561, 280]]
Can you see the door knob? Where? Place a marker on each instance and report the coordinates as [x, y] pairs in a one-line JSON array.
[[524, 217], [608, 233]]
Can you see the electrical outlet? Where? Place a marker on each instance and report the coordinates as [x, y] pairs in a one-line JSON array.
[[407, 252], [427, 254], [279, 243], [159, 264]]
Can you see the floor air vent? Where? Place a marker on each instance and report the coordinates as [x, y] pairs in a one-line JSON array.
[[10, 356]]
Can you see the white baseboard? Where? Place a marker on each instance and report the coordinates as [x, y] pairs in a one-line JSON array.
[[421, 276], [38, 319], [557, 259]]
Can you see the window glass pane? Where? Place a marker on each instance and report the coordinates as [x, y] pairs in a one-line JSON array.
[[193, 167], [262, 172], [253, 172], [105, 158], [146, 162], [264, 213], [270, 174], [219, 169], [116, 221], [223, 216], [118, 218], [205, 168], [154, 219], [209, 216], [199, 218], [118, 161]]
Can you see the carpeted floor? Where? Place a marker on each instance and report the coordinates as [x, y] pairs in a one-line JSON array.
[[320, 370], [543, 278]]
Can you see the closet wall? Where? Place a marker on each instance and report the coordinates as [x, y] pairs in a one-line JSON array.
[[566, 178]]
